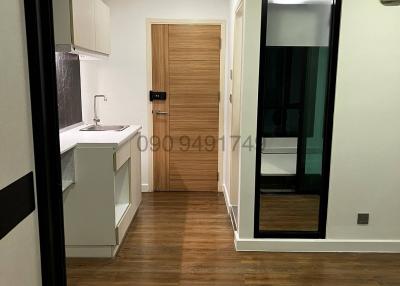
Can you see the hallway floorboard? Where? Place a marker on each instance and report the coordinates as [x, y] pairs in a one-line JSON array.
[[186, 239]]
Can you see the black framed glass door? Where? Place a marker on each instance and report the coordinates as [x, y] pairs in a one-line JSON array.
[[296, 96]]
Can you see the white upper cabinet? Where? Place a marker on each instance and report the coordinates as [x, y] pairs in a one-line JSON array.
[[83, 19], [82, 25], [102, 27]]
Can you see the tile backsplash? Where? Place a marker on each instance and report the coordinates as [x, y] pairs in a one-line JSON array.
[[68, 89]]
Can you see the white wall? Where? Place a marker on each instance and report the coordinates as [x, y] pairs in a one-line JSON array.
[[248, 126], [233, 5], [19, 250], [89, 88], [365, 166], [123, 77]]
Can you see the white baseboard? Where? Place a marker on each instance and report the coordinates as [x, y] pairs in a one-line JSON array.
[[317, 245], [228, 206], [226, 196], [145, 188]]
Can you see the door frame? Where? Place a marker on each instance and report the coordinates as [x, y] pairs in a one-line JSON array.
[[222, 92], [239, 9], [45, 133]]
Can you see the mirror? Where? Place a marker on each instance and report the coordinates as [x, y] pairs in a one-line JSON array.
[[294, 95]]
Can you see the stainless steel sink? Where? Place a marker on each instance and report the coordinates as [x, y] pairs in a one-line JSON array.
[[105, 128]]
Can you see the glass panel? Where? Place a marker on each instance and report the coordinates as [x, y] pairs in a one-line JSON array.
[[273, 119], [303, 25], [276, 76], [298, 56], [295, 88], [292, 122], [310, 178]]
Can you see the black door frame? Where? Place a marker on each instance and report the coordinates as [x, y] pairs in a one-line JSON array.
[[43, 93], [328, 127]]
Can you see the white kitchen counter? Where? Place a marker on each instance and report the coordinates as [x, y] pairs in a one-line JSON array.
[[101, 179], [70, 138]]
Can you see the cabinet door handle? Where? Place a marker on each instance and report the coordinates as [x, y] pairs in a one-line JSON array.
[[158, 112]]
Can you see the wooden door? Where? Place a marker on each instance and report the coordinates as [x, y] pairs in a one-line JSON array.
[[186, 65]]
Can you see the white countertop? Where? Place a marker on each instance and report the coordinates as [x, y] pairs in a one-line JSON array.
[[70, 138]]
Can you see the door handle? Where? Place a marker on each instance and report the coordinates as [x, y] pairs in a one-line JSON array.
[[158, 112]]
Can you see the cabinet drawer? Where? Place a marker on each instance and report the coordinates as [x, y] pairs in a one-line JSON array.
[[122, 155]]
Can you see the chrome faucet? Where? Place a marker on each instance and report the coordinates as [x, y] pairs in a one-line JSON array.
[[96, 119]]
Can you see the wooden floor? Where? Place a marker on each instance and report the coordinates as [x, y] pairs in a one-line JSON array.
[[186, 239]]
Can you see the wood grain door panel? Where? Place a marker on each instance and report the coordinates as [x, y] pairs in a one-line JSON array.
[[194, 42], [160, 82], [206, 147], [193, 83], [191, 118], [194, 186], [189, 76], [194, 166]]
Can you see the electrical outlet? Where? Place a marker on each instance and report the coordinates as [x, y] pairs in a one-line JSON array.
[[363, 219]]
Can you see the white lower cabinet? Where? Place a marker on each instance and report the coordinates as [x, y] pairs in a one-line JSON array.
[[101, 204]]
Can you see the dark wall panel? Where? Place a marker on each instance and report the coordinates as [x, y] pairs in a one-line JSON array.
[[68, 89], [17, 201]]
